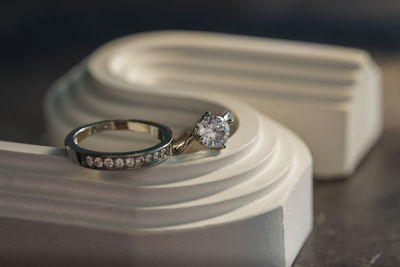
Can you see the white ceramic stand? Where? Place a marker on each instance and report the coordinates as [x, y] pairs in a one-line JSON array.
[[330, 96], [250, 205]]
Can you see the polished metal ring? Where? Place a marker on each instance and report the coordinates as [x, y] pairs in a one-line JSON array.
[[211, 131]]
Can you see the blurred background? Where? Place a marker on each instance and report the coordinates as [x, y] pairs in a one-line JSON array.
[[42, 39]]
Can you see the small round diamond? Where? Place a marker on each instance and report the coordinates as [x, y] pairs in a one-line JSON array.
[[89, 161], [98, 162], [148, 158], [130, 162], [119, 163], [213, 131], [108, 162], [139, 160], [163, 152], [157, 155]]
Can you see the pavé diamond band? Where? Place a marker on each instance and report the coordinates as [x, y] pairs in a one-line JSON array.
[[210, 130]]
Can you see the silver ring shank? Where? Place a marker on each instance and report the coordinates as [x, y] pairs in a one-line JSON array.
[[120, 160]]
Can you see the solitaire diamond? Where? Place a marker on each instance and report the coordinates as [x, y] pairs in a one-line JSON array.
[[213, 131]]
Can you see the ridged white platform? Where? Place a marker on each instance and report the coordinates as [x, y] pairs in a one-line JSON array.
[[329, 95], [251, 204]]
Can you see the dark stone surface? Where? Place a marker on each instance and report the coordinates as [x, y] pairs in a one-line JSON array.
[[357, 221]]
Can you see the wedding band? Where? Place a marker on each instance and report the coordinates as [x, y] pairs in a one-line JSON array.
[[210, 130]]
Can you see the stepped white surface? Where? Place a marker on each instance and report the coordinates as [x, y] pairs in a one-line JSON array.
[[248, 204], [329, 95]]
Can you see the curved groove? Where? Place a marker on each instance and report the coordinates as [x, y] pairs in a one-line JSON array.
[[189, 211], [139, 195], [164, 48], [72, 107], [193, 188], [92, 212]]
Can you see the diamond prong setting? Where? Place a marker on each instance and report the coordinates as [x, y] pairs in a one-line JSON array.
[[212, 131]]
